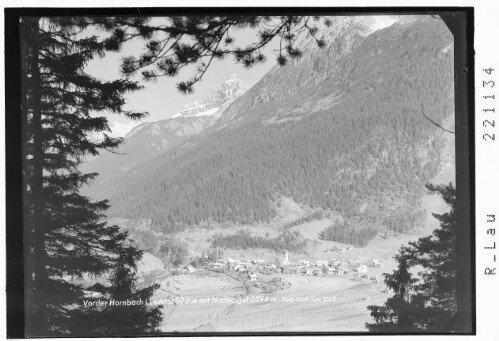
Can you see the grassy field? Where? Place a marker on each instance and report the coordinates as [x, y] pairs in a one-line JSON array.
[[310, 304], [336, 304]]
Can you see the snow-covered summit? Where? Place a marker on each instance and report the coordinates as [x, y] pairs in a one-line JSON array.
[[216, 101]]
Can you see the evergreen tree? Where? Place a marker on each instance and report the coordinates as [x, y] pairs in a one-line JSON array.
[[65, 238], [66, 242], [118, 318], [426, 302]]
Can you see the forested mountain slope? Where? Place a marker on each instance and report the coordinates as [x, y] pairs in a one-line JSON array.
[[150, 139], [340, 129]]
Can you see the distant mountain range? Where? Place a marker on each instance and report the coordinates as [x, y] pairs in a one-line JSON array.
[[340, 129], [148, 140], [216, 101]]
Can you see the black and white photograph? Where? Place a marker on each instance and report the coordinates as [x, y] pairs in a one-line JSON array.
[[260, 172]]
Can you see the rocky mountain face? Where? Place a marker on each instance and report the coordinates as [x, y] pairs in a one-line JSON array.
[[339, 130], [216, 101], [303, 77], [150, 139]]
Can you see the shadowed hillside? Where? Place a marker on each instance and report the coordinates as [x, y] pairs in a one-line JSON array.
[[340, 129]]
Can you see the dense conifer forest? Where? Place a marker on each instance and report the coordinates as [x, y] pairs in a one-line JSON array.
[[291, 241], [365, 152], [342, 233]]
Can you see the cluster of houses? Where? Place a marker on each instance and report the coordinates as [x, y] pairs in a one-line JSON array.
[[333, 267], [335, 249]]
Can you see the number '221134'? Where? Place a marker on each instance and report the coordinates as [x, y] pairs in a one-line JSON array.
[[490, 124]]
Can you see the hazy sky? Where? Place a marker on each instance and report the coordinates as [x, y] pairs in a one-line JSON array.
[[161, 98]]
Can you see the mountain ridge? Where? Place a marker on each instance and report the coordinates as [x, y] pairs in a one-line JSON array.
[[150, 139], [335, 132]]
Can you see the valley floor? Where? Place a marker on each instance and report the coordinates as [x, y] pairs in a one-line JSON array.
[[309, 304], [206, 301]]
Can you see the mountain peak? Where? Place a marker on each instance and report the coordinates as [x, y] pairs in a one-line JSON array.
[[216, 101], [347, 26]]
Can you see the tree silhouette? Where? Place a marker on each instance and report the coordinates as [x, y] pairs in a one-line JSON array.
[[426, 301], [66, 242], [175, 43], [117, 319]]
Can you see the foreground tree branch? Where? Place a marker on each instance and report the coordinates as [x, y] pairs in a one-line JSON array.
[[185, 41]]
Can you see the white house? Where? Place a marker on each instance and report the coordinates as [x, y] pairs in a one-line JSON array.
[[321, 263], [253, 277], [362, 269], [240, 268], [331, 271], [190, 268], [317, 271], [305, 262], [334, 262], [258, 261], [218, 265]]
